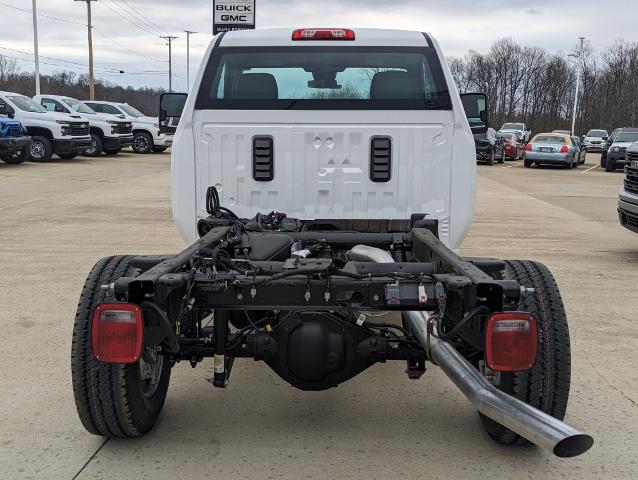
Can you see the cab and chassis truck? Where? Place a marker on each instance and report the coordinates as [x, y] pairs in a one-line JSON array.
[[362, 139]]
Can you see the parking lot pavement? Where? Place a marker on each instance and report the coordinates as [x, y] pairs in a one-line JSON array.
[[58, 219]]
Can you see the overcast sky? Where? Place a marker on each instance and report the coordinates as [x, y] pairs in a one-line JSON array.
[[459, 25]]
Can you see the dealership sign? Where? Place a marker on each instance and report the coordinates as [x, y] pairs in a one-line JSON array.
[[233, 15]]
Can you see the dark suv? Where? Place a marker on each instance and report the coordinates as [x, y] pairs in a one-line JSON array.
[[616, 153], [610, 140]]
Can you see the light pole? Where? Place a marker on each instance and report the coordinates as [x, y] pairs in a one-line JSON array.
[[188, 59], [35, 48], [578, 57]]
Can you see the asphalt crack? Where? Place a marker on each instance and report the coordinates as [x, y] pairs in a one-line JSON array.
[[90, 458], [622, 393]]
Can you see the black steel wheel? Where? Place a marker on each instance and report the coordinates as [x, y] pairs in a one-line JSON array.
[[142, 142], [96, 148], [41, 149], [546, 385], [113, 400], [16, 158]]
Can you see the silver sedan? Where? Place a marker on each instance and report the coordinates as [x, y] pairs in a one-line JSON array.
[[551, 149]]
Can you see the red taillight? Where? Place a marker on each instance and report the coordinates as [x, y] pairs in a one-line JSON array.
[[510, 342], [528, 147], [564, 149], [323, 34], [117, 332]]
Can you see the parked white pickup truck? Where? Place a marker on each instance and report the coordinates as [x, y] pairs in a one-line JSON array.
[[65, 134], [109, 133], [523, 132], [146, 135]]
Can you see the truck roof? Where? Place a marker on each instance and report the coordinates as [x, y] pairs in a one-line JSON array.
[[363, 37], [52, 96]]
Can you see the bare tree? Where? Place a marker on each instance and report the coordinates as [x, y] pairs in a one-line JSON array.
[[8, 68], [531, 85]]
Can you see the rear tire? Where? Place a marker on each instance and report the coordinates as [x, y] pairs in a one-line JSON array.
[[603, 161], [610, 165], [16, 158], [160, 149], [112, 151], [527, 163], [41, 149], [113, 400], [546, 385], [142, 142]]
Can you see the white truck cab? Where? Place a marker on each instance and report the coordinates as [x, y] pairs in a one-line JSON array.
[[109, 133], [521, 130], [358, 145], [146, 135], [364, 126], [64, 134]]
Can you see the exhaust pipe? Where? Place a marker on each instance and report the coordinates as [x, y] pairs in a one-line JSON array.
[[531, 423]]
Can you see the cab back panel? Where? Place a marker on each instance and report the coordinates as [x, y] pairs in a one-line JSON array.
[[323, 170]]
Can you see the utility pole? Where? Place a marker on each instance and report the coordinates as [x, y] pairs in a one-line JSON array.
[[188, 59], [579, 58], [35, 48], [90, 35], [169, 39]]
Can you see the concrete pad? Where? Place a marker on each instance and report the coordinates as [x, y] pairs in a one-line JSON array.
[[58, 219]]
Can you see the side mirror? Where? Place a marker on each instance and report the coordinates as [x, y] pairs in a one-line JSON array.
[[6, 110], [475, 106], [171, 107]]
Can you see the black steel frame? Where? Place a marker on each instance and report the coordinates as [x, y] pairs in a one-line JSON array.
[[182, 291]]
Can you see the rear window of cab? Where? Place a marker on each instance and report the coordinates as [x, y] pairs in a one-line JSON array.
[[339, 78]]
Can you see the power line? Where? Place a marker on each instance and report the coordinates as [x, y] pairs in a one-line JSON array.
[[57, 59], [83, 25], [149, 20], [141, 17], [43, 15], [135, 18], [105, 73], [57, 64], [141, 27], [99, 32]]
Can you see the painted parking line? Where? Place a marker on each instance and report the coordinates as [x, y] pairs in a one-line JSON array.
[[590, 169]]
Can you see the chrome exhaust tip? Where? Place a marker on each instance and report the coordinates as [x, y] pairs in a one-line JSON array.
[[529, 422]]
